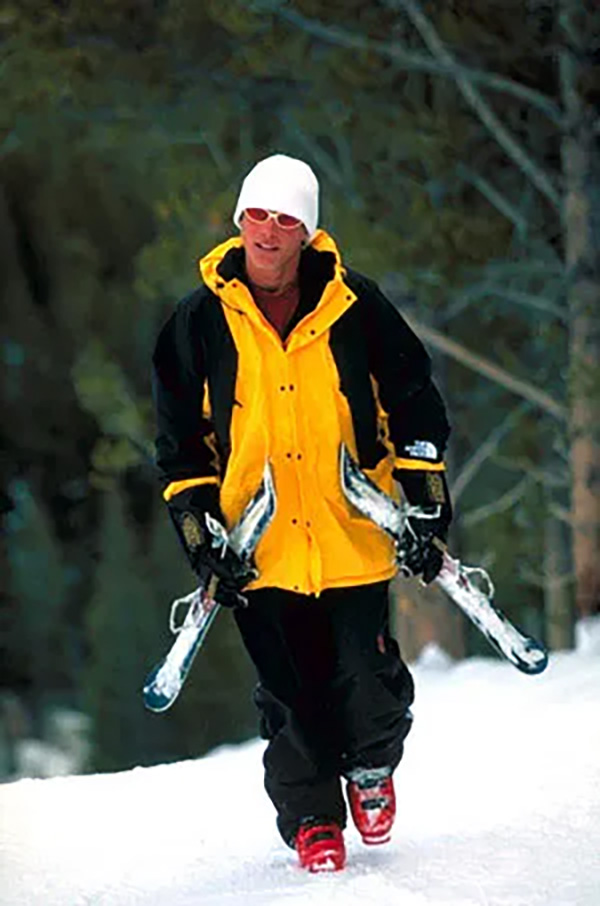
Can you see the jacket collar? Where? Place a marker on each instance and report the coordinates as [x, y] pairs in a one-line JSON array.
[[323, 293]]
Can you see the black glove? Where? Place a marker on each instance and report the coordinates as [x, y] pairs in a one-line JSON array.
[[207, 555], [421, 550]]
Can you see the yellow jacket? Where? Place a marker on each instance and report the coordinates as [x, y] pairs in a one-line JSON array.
[[291, 402]]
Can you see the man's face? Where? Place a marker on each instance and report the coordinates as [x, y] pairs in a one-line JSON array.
[[272, 252]]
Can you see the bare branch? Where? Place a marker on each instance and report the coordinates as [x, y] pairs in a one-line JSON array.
[[323, 160], [414, 61], [548, 267], [562, 514], [462, 298], [478, 103], [543, 581], [488, 369], [502, 503], [549, 478], [531, 300], [485, 450], [495, 198]]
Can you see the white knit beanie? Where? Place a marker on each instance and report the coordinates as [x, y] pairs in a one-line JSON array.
[[284, 184]]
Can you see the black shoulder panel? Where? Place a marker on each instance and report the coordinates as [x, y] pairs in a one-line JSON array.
[[195, 346], [210, 335], [373, 340], [350, 352]]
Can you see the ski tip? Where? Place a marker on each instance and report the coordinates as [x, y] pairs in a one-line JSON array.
[[156, 703], [155, 699], [537, 663]]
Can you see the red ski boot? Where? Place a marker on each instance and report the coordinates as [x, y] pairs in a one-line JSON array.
[[372, 803], [320, 846]]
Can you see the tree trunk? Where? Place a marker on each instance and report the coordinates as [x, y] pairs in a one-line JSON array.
[[582, 185], [424, 616], [558, 606]]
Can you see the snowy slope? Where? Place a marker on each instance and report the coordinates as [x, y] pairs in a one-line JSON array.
[[499, 805]]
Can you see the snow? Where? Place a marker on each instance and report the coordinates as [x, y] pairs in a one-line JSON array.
[[498, 794]]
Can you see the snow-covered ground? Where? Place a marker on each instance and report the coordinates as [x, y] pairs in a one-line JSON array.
[[499, 805]]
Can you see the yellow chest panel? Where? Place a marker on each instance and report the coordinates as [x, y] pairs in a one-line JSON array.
[[289, 409]]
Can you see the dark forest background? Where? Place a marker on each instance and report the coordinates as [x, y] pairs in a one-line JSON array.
[[457, 148]]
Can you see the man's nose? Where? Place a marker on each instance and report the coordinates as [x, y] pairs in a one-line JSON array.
[[270, 227]]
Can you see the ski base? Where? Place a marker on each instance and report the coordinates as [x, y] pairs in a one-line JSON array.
[[459, 582], [165, 681]]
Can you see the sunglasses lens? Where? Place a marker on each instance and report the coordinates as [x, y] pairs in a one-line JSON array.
[[287, 221], [261, 215], [258, 215]]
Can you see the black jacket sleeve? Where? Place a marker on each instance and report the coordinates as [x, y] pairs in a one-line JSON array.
[[185, 446], [417, 422], [401, 368]]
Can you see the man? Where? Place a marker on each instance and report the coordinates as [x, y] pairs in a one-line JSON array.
[[283, 354]]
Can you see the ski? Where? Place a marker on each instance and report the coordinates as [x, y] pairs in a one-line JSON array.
[[165, 681], [469, 587]]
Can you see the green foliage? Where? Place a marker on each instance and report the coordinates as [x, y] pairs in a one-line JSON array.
[[123, 633], [103, 391], [193, 210], [38, 585], [137, 577]]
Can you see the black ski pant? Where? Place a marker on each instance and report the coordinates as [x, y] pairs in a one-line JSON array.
[[333, 694]]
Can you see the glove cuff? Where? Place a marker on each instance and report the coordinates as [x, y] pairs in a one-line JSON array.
[[427, 488], [188, 510]]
